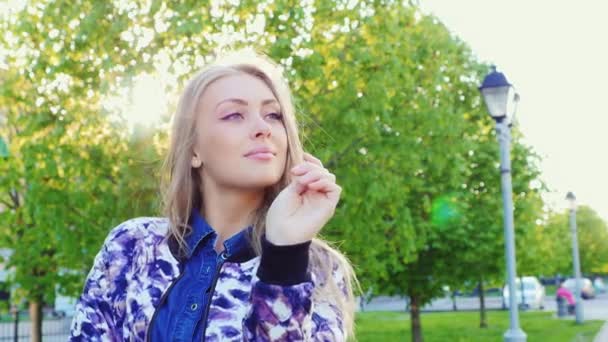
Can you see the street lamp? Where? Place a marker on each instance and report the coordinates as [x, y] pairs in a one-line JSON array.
[[575, 258], [501, 100]]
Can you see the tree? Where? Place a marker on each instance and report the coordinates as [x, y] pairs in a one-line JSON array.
[[592, 239], [403, 91], [68, 162], [485, 261]]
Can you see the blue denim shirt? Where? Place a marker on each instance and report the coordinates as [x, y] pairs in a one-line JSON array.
[[181, 317]]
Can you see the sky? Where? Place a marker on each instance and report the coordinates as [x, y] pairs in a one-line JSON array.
[[555, 53]]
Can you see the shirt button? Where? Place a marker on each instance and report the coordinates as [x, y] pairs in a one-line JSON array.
[[193, 306]]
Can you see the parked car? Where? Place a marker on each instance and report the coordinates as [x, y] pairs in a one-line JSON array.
[[533, 293], [587, 290], [599, 285], [64, 306]]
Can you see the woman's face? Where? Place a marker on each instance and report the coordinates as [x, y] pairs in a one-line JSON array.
[[241, 139]]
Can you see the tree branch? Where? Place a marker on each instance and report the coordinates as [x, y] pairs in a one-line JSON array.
[[7, 204], [14, 195]]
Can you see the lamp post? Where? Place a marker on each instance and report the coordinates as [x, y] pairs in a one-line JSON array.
[[575, 258], [501, 100]]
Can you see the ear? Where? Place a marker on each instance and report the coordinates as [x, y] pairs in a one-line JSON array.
[[196, 161]]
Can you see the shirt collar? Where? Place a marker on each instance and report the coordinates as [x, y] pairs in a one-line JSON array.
[[238, 241], [201, 229]]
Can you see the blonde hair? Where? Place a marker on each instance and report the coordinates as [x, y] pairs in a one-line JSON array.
[[181, 183]]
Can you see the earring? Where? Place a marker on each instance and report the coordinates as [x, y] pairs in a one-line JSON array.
[[196, 163]]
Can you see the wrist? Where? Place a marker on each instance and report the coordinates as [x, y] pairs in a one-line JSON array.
[[284, 264], [278, 240]]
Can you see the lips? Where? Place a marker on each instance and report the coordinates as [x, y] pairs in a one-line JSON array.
[[260, 151]]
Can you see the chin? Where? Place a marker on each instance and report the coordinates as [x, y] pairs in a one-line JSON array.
[[259, 180]]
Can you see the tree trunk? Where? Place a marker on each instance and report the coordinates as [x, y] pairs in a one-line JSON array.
[[36, 320], [453, 296], [483, 321], [415, 319]]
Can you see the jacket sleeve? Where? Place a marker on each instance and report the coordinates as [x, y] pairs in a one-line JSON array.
[[282, 306], [99, 312]]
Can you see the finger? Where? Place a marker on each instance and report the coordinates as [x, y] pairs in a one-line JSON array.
[[309, 178], [325, 186], [313, 170], [299, 188], [310, 158], [301, 169], [305, 167], [315, 175], [331, 176]]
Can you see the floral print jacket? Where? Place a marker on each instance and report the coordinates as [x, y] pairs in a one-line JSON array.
[[136, 267]]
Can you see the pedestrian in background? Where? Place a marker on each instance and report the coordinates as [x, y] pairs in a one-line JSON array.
[[565, 294]]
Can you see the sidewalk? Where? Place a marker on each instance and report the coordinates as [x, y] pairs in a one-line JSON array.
[[602, 336]]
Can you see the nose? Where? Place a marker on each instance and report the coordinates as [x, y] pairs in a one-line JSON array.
[[260, 127]]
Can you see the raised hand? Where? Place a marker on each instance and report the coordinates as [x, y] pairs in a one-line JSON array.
[[301, 209]]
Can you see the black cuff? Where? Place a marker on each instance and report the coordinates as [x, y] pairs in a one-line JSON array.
[[284, 265]]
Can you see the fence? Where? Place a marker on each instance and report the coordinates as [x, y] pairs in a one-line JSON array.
[[18, 328]]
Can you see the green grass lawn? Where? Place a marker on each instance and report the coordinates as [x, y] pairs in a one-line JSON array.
[[464, 326]]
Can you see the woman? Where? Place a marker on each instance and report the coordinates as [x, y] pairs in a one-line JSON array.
[[563, 293], [236, 257]]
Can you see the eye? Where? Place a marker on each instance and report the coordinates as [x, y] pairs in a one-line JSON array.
[[232, 116], [275, 116]]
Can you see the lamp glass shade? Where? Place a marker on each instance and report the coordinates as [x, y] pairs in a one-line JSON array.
[[497, 100], [571, 200]]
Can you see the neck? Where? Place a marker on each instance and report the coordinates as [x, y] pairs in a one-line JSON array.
[[229, 210]]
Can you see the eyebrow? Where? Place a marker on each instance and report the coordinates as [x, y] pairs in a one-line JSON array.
[[243, 102]]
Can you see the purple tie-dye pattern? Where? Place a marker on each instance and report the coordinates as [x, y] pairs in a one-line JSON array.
[[135, 267], [287, 307]]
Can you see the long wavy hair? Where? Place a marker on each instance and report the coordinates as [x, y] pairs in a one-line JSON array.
[[181, 184]]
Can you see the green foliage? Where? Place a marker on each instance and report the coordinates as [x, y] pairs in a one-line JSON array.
[[555, 239], [393, 109], [484, 212], [70, 174]]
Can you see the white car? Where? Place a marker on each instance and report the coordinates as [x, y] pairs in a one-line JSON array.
[[599, 285], [64, 306], [533, 293]]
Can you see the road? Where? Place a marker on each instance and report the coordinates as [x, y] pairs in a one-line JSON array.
[[596, 308]]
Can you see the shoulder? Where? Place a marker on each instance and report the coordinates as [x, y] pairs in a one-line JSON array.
[[136, 232], [139, 228]]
